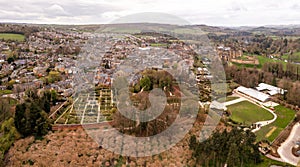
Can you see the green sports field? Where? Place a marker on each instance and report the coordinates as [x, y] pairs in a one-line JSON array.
[[10, 36], [270, 132], [248, 113]]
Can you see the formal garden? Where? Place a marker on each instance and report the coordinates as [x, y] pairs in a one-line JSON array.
[[88, 108]]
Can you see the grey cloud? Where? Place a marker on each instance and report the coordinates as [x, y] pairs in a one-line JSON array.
[[236, 7], [36, 10], [227, 12], [54, 11], [295, 7], [88, 10], [15, 15]]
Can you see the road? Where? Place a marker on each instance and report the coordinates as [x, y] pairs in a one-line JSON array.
[[285, 150]]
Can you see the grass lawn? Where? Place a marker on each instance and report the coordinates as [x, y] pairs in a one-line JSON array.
[[269, 162], [270, 132], [297, 54], [293, 58], [228, 98], [246, 65], [248, 113], [262, 60], [285, 57], [158, 44], [10, 36], [231, 98], [5, 92]]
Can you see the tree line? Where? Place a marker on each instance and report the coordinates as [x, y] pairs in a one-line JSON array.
[[234, 148]]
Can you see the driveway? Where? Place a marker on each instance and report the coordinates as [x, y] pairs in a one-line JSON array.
[[285, 150], [228, 103]]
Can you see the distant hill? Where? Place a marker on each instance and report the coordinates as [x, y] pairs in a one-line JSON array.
[[271, 30]]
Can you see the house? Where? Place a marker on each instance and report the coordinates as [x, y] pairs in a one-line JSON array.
[[202, 71], [5, 48], [3, 57], [40, 71], [2, 87], [20, 62], [30, 85], [67, 92], [60, 68]]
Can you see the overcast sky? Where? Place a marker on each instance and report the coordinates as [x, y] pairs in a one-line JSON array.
[[210, 12]]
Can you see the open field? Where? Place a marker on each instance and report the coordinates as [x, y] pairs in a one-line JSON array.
[[262, 60], [285, 116], [248, 113], [292, 58], [10, 36]]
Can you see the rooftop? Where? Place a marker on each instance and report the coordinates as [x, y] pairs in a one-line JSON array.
[[253, 93], [272, 90]]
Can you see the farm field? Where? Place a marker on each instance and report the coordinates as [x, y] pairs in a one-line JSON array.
[[261, 59], [10, 36], [270, 132], [247, 113]]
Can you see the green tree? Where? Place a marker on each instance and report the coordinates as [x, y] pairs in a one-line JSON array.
[[193, 142], [30, 116], [146, 83], [8, 135], [4, 110], [53, 97], [10, 60], [137, 88], [233, 156]]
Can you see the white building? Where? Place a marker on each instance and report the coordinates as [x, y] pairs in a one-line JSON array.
[[272, 90], [254, 93]]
